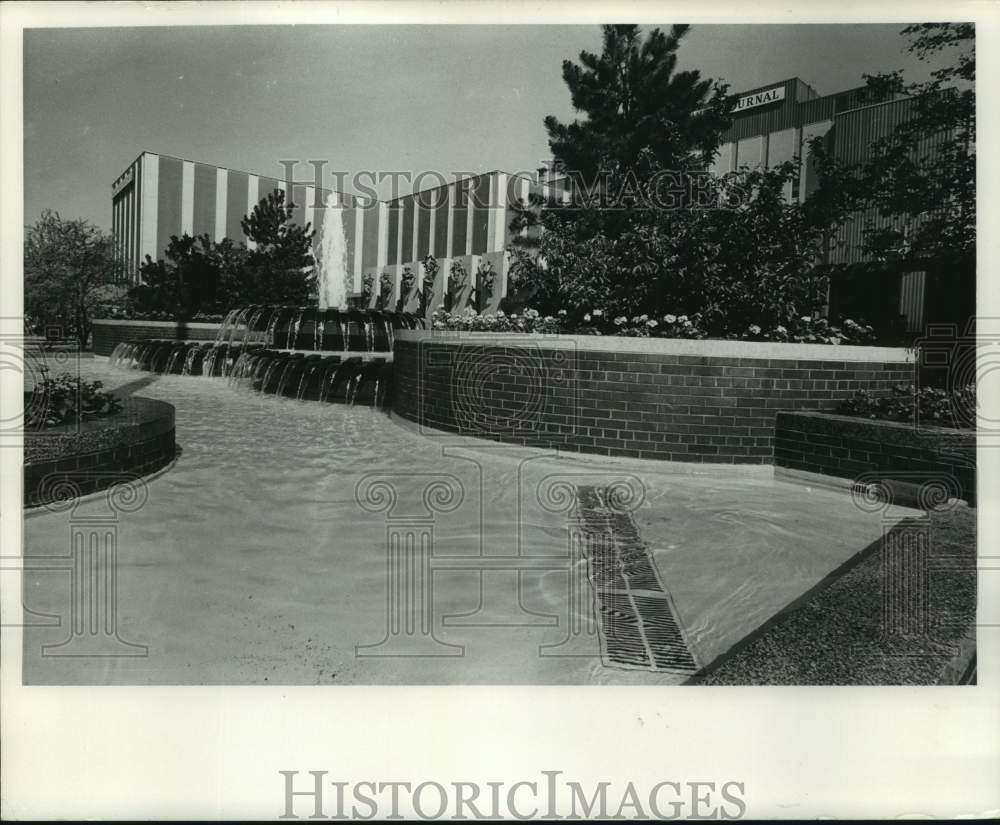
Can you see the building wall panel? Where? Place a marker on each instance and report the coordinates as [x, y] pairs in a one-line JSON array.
[[168, 202], [481, 214], [395, 216], [369, 243], [236, 200], [203, 217], [407, 229], [460, 211]]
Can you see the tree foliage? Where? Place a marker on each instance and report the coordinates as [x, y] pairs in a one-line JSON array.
[[281, 266], [67, 266], [199, 275], [637, 105], [654, 234], [919, 183], [749, 263]]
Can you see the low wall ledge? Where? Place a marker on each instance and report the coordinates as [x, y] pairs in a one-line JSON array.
[[667, 346]]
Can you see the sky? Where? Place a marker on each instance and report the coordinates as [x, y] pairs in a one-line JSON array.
[[384, 98]]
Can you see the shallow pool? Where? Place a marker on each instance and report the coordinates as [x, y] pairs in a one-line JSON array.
[[257, 558]]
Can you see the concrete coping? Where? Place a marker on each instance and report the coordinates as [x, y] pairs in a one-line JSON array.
[[717, 348], [864, 421]]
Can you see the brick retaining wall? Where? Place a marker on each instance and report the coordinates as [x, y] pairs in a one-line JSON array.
[[707, 401], [848, 447], [72, 461], [107, 334]]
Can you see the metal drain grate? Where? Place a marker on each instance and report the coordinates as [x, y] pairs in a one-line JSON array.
[[636, 616]]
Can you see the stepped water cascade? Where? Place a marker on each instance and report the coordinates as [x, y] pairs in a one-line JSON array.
[[306, 353]]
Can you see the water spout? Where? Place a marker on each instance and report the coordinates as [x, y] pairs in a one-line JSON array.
[[332, 272]]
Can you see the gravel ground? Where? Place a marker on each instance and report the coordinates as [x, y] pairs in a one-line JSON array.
[[834, 634]]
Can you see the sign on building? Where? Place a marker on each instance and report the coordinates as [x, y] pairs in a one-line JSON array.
[[760, 98]]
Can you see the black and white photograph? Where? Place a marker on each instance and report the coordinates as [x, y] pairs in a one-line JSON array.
[[496, 354]]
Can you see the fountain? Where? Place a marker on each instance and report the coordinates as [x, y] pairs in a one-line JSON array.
[[332, 272], [306, 353], [324, 353]]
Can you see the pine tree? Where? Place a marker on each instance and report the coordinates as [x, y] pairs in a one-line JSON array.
[[639, 108], [281, 266]]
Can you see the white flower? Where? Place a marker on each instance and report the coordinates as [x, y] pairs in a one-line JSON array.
[[683, 319], [651, 323], [670, 319], [643, 318], [561, 312], [780, 329], [688, 323], [586, 318], [754, 329], [549, 319], [806, 319], [621, 319], [598, 313]]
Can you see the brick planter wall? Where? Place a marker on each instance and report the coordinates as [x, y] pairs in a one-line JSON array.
[[852, 448], [67, 462], [108, 334], [708, 401]]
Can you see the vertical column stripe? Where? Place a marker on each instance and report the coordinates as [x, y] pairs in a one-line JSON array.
[[449, 212], [430, 217], [382, 256], [491, 223], [415, 250], [499, 204], [372, 229], [253, 193], [407, 230], [137, 261], [187, 198], [221, 197], [359, 245], [439, 231], [149, 230], [115, 231], [130, 222], [309, 208], [236, 205], [203, 209], [470, 194], [133, 230], [169, 202]]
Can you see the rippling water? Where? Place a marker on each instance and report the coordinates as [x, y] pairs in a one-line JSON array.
[[253, 562]]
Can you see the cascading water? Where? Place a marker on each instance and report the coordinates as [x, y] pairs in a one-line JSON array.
[[328, 354], [332, 272]]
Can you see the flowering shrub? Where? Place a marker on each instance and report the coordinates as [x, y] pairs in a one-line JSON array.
[[127, 312], [598, 322], [471, 321], [928, 405], [808, 330], [66, 398]]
